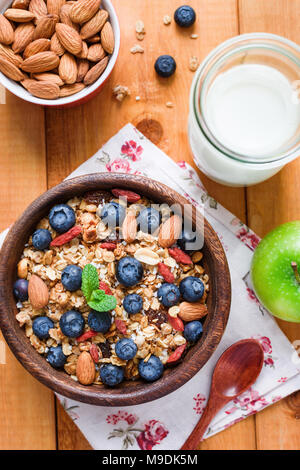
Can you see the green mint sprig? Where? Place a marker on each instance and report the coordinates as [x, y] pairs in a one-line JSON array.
[[95, 297]]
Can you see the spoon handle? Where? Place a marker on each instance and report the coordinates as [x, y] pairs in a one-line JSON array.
[[212, 408]]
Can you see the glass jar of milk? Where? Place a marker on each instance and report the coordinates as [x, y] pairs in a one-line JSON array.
[[244, 120]]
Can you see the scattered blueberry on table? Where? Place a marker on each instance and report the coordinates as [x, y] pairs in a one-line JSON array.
[[99, 321], [191, 289], [129, 271], [41, 239], [41, 327], [111, 375], [185, 16], [133, 303], [168, 294], [56, 357], [20, 289], [193, 331], [126, 349], [72, 324], [62, 218], [152, 369], [71, 277], [165, 66]]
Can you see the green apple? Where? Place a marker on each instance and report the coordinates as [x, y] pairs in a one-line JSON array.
[[275, 271]]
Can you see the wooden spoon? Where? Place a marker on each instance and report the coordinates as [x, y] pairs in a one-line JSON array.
[[235, 372]]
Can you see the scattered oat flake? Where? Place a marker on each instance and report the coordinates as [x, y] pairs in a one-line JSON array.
[[120, 92], [194, 63], [167, 19], [194, 36], [137, 98], [136, 49], [140, 27], [169, 104]]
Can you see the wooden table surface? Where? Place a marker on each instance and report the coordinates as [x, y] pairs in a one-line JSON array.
[[39, 147]]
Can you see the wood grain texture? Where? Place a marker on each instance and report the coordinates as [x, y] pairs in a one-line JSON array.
[[127, 393], [274, 202], [23, 177]]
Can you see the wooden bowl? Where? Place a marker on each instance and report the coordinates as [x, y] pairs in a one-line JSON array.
[[128, 393]]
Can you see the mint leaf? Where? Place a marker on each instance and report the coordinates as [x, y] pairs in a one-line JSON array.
[[102, 302], [90, 281]]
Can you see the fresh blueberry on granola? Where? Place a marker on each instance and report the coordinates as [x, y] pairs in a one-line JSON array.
[[186, 240], [114, 288], [71, 277], [41, 239], [62, 218]]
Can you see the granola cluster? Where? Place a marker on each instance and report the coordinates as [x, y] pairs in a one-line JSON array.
[[153, 329]]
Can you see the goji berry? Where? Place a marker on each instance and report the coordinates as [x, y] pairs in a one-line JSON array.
[[176, 323], [121, 326], [66, 237], [165, 272], [176, 354], [105, 287], [87, 335], [94, 353], [180, 256], [110, 246], [129, 195]]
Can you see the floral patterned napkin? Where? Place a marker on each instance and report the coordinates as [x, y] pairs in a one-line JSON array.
[[155, 424]]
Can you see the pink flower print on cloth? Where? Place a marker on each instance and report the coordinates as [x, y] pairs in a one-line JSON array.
[[154, 433], [119, 165], [132, 150]]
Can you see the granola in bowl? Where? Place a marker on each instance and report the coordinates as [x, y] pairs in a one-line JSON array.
[[107, 289]]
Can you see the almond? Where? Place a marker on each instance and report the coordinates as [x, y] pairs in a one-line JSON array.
[[6, 31], [44, 90], [108, 38], [85, 369], [18, 15], [54, 6], [41, 62], [26, 82], [22, 4], [38, 8], [56, 46], [94, 39], [95, 72], [8, 54], [84, 51], [45, 26], [23, 36], [10, 70], [68, 68], [96, 53], [84, 10], [68, 90], [94, 25], [69, 38], [82, 69], [129, 227], [147, 256], [192, 311], [65, 16], [39, 45], [38, 292], [170, 231], [48, 77]]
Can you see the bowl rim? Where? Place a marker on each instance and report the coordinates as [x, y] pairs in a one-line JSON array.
[[18, 90], [57, 380]]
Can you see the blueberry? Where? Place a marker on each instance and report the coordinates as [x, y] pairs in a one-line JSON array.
[[62, 218], [111, 375], [129, 271], [41, 239], [71, 277], [152, 369], [168, 294], [165, 66], [20, 290], [56, 357], [185, 16], [41, 327], [149, 220], [133, 303], [72, 324], [99, 321], [191, 289], [126, 349], [186, 239], [113, 214], [193, 331]]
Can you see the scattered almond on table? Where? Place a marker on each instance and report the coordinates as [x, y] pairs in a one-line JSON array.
[[63, 46]]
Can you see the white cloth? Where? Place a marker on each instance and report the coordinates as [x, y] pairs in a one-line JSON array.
[[156, 424]]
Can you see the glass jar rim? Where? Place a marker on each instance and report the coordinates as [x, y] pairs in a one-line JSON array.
[[258, 40]]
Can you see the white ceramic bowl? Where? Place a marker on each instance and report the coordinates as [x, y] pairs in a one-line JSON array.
[[85, 94]]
